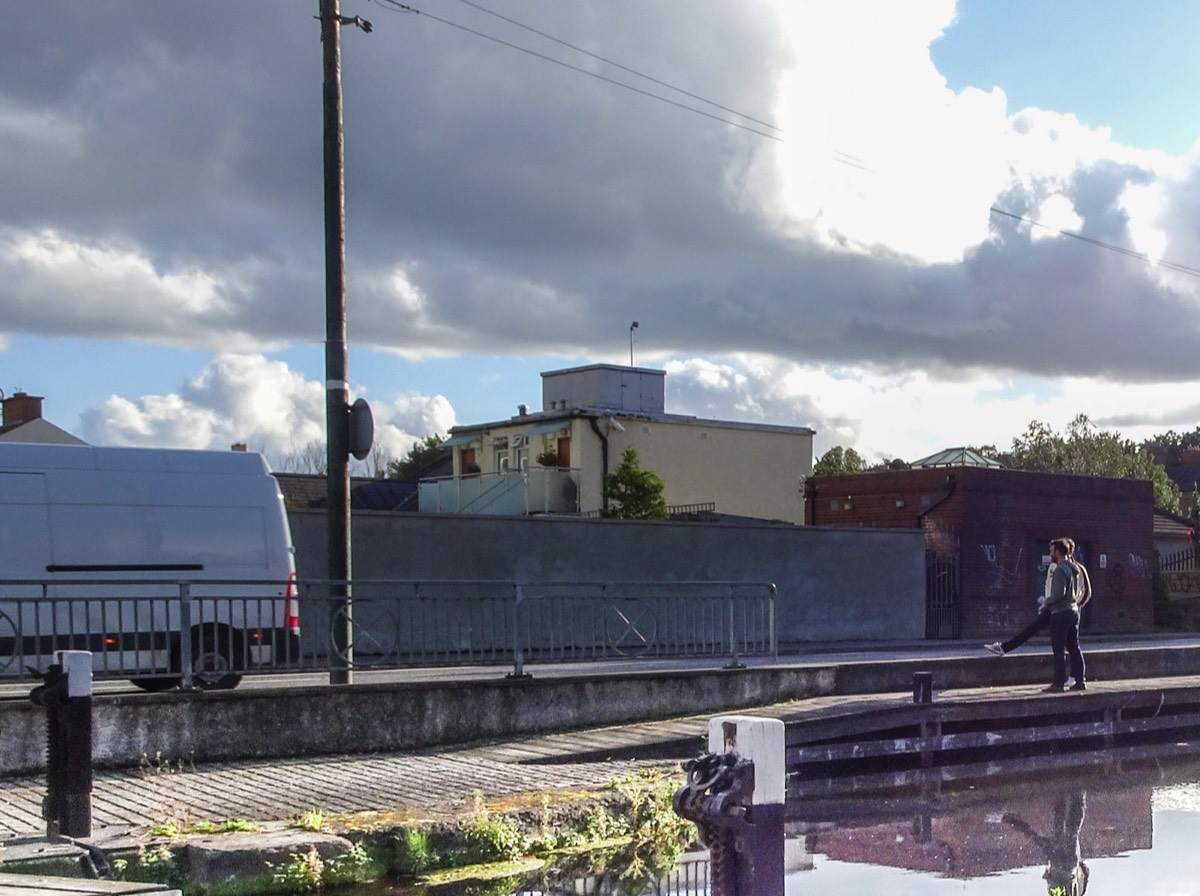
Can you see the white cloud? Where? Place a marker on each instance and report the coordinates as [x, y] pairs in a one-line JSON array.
[[886, 414], [261, 402], [873, 140], [408, 418]]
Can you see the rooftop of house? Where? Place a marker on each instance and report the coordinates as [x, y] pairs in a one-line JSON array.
[[22, 421], [310, 490], [607, 390]]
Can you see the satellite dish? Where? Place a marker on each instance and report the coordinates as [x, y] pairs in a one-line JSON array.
[[361, 425]]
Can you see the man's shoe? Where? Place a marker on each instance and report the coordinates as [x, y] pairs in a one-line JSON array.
[[994, 648], [1078, 686], [1053, 689]]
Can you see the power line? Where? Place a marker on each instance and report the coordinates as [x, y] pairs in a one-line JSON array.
[[842, 157], [1121, 250], [623, 68], [396, 6]]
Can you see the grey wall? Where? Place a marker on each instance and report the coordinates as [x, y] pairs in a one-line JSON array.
[[833, 584]]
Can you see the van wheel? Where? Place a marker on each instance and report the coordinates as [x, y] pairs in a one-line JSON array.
[[216, 658]]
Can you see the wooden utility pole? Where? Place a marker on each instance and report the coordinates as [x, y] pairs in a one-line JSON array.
[[336, 386]]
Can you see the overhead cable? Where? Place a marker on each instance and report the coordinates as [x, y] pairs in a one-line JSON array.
[[1121, 250]]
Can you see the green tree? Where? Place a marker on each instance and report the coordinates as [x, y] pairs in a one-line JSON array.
[[838, 460], [1173, 444], [894, 463], [1085, 451], [632, 493], [423, 452]]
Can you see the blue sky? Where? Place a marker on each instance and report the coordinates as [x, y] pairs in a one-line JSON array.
[[804, 229], [1132, 68]]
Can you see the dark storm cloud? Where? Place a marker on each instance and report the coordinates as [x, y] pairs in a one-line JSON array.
[[525, 207]]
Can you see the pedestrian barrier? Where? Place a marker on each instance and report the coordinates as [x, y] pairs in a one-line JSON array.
[[211, 634]]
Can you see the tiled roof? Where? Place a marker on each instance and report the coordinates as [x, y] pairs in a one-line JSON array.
[[310, 490]]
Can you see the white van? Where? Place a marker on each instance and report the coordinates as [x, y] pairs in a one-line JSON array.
[[120, 550]]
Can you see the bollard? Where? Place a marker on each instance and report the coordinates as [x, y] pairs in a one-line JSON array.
[[922, 687], [735, 795], [67, 696]]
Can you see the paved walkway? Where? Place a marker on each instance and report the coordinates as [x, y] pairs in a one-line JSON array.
[[428, 784], [422, 784]]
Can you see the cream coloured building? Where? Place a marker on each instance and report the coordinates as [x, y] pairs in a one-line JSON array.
[[555, 460]]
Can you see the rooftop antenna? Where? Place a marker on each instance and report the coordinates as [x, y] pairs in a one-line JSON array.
[[633, 326]]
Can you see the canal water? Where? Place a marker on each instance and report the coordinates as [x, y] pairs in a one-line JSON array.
[[1129, 827]]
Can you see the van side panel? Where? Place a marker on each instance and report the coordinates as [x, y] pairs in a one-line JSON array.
[[24, 524], [119, 532]]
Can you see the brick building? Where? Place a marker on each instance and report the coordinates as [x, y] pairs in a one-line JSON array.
[[986, 531]]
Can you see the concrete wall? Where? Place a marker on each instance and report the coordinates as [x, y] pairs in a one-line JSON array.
[[833, 584]]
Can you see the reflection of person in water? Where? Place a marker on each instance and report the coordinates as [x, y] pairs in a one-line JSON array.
[[1065, 874]]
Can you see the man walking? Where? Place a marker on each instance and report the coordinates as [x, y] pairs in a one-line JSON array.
[[1067, 591]]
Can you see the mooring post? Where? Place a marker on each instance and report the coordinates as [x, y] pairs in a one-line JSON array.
[[922, 687], [760, 742], [66, 695], [735, 795]]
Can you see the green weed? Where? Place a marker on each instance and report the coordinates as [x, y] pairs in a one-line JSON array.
[[307, 872], [312, 820]]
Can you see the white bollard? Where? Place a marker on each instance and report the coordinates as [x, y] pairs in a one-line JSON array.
[[761, 741], [77, 664]]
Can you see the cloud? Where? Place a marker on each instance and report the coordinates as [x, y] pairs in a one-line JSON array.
[[262, 403], [165, 186], [886, 413]]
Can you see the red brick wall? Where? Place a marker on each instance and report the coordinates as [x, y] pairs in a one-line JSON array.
[[999, 521]]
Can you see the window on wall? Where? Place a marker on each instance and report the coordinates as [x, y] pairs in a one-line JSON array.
[[500, 454]]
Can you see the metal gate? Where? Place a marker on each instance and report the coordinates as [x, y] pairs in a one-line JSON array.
[[941, 595]]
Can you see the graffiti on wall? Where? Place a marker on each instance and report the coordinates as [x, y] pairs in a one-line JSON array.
[[1183, 583], [1001, 575]]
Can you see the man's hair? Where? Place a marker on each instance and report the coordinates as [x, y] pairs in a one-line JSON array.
[[1063, 546]]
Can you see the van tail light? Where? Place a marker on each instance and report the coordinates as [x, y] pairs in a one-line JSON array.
[[291, 607]]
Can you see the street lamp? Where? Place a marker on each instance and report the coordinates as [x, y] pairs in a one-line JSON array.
[[633, 326]]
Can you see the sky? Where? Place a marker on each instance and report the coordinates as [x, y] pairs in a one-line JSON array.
[[907, 226]]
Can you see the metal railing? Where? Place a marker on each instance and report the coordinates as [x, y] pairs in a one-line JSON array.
[[703, 510], [135, 628], [534, 489]]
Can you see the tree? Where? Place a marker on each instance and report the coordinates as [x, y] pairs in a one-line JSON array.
[[839, 460], [312, 459], [422, 453], [894, 463], [632, 493], [1085, 451], [1173, 444]]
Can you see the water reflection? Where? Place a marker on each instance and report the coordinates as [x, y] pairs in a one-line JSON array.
[[1066, 873], [1058, 831], [1111, 827]]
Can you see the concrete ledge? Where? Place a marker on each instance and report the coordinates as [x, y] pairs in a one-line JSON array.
[[1033, 665], [363, 718], [261, 723]]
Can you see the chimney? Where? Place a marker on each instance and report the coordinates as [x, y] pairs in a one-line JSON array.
[[21, 408]]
